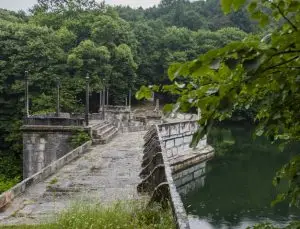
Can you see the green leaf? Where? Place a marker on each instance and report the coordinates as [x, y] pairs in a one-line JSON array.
[[168, 108], [180, 85], [173, 71], [144, 92], [198, 136], [280, 197], [252, 6], [264, 20], [237, 4], [226, 5]]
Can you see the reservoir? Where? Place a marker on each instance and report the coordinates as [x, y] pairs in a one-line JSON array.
[[236, 191]]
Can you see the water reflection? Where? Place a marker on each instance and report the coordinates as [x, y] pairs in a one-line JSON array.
[[189, 179], [238, 188]]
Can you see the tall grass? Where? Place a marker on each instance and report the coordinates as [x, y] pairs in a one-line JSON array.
[[119, 216]]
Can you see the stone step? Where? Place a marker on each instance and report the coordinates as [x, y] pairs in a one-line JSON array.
[[106, 132], [97, 125], [107, 139], [103, 127], [100, 128]]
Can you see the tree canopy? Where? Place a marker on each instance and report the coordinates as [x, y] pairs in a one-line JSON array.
[[119, 47], [259, 73]]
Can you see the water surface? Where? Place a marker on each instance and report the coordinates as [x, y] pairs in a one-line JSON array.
[[238, 189]]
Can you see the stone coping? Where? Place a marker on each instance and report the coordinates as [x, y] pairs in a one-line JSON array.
[[7, 197], [190, 154], [118, 111], [177, 123], [53, 121], [42, 128], [185, 162], [178, 209]]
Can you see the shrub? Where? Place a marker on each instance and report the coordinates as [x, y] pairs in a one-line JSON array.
[[78, 138]]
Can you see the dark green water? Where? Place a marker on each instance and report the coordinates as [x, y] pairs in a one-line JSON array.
[[238, 186]]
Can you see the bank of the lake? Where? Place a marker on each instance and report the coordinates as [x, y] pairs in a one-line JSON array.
[[238, 189]]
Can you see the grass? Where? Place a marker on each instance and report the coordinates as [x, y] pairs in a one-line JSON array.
[[118, 216], [53, 181]]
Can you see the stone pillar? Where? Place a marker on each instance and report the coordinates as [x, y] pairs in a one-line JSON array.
[[45, 140], [100, 101], [157, 106], [42, 146], [199, 113]]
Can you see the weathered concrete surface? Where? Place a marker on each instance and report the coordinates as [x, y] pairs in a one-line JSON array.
[[42, 148], [106, 173]]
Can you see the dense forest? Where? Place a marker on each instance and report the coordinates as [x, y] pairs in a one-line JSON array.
[[120, 47]]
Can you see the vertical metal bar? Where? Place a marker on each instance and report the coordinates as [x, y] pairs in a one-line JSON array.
[[100, 101], [103, 104], [26, 95], [87, 100], [58, 98], [130, 97], [107, 94]]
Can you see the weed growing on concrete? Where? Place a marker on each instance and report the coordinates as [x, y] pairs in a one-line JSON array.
[[53, 181]]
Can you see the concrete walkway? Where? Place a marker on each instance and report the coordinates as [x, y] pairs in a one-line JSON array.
[[105, 174]]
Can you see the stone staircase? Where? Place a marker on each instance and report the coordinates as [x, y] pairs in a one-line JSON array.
[[103, 132]]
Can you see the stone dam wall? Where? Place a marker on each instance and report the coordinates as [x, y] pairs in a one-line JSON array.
[[170, 167]]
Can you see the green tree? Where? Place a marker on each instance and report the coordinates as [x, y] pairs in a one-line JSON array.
[[261, 73]]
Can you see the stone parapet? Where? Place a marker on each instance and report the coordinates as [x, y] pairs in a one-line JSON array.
[[157, 177], [43, 144], [7, 197], [171, 167]]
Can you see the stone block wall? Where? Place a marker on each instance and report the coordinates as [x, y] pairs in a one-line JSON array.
[[178, 129], [41, 148], [178, 136], [190, 178]]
